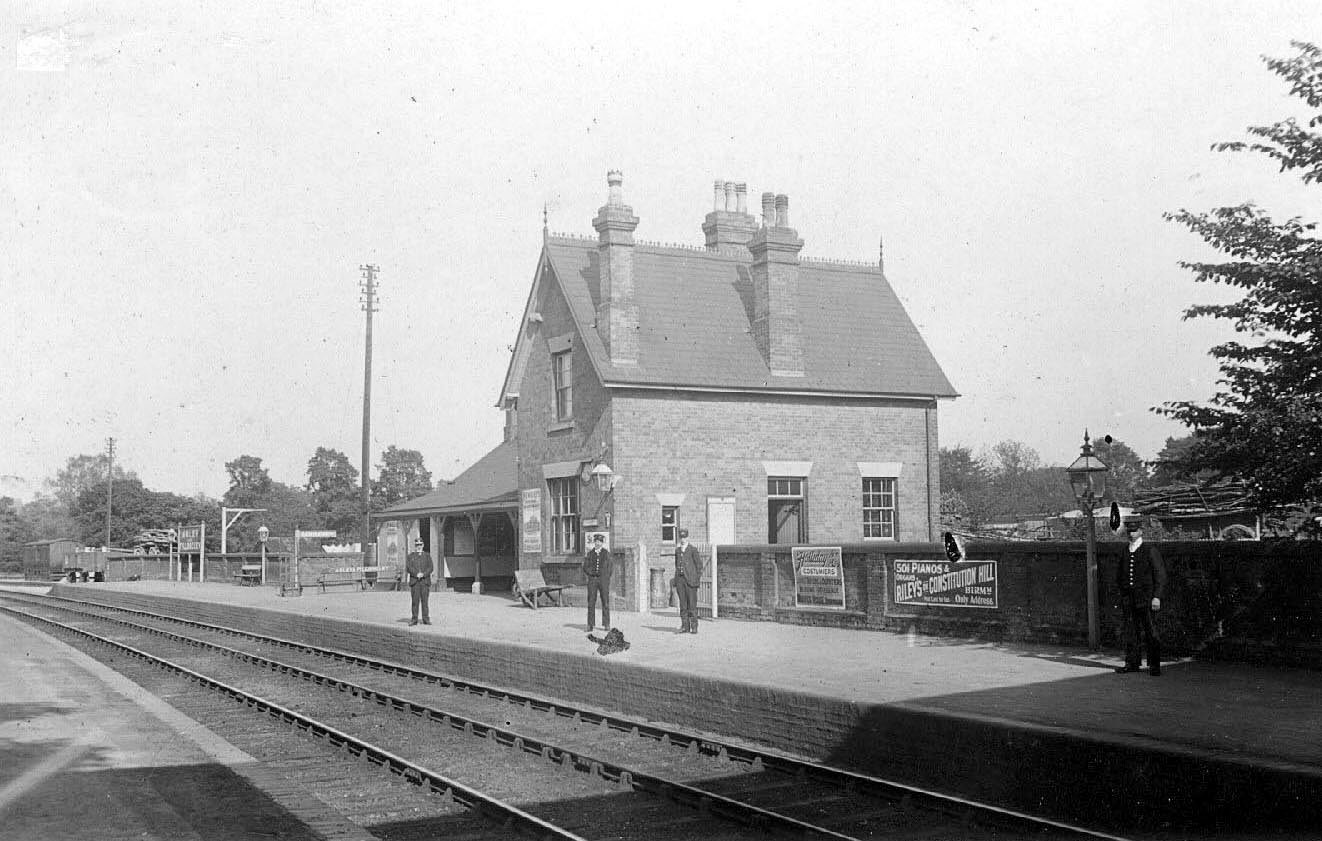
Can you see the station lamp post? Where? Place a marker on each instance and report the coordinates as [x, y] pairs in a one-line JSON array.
[[1088, 479], [263, 533]]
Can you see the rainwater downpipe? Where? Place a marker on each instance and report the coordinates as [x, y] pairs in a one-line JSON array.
[[927, 436]]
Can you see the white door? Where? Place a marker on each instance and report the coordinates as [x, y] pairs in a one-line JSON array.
[[720, 530]]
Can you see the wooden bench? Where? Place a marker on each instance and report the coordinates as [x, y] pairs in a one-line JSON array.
[[249, 575], [355, 575], [530, 584]]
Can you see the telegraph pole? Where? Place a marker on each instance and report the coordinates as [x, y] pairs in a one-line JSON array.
[[368, 288], [110, 482]]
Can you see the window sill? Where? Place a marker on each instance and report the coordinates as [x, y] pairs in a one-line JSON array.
[[560, 426]]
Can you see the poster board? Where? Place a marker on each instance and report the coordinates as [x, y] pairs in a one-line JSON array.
[[530, 505], [819, 577]]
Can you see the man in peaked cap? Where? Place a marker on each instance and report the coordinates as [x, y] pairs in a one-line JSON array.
[[597, 570], [1141, 580], [418, 565], [688, 574]]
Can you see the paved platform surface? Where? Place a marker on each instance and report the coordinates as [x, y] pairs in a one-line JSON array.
[[86, 753], [1252, 714]]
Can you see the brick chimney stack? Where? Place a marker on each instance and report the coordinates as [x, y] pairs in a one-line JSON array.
[[776, 327], [729, 223], [617, 308]]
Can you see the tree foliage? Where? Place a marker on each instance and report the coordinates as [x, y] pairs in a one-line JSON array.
[[135, 508], [80, 473], [1009, 482], [14, 532], [1264, 424], [336, 494], [1129, 473], [400, 476], [249, 482]]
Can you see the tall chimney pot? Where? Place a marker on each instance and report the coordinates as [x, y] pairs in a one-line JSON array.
[[718, 195], [729, 196], [615, 179], [741, 197], [769, 210], [782, 211]]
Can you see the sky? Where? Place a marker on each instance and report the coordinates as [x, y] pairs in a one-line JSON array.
[[186, 199]]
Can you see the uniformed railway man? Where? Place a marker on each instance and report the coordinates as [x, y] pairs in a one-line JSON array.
[[1141, 580], [418, 565], [597, 569]]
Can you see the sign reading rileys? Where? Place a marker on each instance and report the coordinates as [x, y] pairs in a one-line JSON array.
[[945, 584], [819, 577]]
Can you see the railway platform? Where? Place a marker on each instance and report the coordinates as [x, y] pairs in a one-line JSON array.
[[89, 754], [1231, 749]]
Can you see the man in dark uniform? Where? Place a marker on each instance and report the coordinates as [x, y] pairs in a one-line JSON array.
[[419, 567], [688, 574], [1141, 580], [597, 568]]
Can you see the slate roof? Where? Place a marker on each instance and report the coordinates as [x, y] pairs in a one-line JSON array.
[[490, 483], [695, 310]]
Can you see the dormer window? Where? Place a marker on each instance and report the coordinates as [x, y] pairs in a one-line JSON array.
[[562, 377]]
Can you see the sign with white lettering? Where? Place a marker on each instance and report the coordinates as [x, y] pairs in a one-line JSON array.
[[190, 539], [530, 501], [819, 577], [933, 583]]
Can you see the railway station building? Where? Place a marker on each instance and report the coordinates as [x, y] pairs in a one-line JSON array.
[[734, 389]]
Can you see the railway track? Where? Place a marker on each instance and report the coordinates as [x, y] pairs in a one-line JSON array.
[[484, 761]]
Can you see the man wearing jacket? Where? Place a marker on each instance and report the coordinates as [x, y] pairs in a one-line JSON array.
[[418, 565], [1141, 580], [688, 573], [597, 568]]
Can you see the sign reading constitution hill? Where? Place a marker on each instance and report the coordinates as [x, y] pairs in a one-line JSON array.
[[819, 577], [944, 583]]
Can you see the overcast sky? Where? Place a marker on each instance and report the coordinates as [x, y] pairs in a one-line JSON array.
[[187, 197]]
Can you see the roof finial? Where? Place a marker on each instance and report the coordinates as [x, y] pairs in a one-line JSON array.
[[546, 233], [881, 253]]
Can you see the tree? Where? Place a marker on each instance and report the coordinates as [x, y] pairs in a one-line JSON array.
[[80, 473], [1174, 464], [249, 482], [1264, 425], [48, 518], [1129, 473], [333, 483], [965, 488], [14, 532], [401, 476], [134, 508]]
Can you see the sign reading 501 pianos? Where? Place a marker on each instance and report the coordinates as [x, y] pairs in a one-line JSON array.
[[944, 583]]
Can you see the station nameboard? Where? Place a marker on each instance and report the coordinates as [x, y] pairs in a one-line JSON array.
[[190, 539], [819, 577], [929, 583]]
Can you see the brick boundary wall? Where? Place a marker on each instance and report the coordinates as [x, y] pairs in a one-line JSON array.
[[1072, 776], [1259, 601]]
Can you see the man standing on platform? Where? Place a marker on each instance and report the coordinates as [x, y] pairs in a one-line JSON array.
[[419, 567], [597, 568], [1141, 579], [688, 573]]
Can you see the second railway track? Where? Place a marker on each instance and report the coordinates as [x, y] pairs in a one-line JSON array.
[[525, 763]]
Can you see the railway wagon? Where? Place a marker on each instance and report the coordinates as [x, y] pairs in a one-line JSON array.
[[48, 560]]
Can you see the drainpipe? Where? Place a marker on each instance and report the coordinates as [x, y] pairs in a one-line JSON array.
[[927, 437]]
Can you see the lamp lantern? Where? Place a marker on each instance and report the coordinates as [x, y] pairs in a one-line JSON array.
[[603, 476]]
